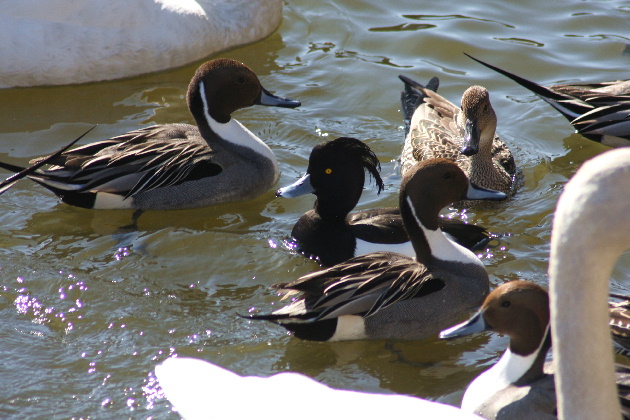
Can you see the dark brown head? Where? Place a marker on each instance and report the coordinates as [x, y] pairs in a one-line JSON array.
[[220, 87]]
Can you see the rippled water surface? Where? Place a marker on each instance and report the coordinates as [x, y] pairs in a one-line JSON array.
[[87, 311]]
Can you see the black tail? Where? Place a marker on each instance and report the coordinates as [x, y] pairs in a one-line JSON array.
[[24, 172], [312, 331], [413, 96], [567, 105]]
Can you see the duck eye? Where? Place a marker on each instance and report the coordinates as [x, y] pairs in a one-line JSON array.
[[447, 175], [328, 171], [506, 304], [240, 80]]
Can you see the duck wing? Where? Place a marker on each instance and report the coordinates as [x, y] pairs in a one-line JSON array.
[[382, 225], [362, 286], [141, 160]]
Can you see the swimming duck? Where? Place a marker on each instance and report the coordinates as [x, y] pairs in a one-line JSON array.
[[330, 233], [587, 239], [201, 390], [435, 127], [175, 166], [598, 111], [56, 42], [520, 385], [516, 387], [387, 295]]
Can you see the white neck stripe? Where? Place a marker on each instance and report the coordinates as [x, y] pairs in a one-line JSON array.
[[235, 132], [441, 247]]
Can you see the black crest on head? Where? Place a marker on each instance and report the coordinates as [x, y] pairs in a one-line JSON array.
[[348, 148]]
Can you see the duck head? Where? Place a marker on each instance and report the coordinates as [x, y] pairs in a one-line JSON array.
[[336, 175], [222, 86], [518, 309], [428, 187], [480, 120]]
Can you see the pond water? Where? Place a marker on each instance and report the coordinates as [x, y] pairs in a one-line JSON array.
[[88, 311]]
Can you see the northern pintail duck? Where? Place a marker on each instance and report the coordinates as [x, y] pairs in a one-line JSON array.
[[587, 239], [176, 166], [56, 42], [331, 234], [436, 128], [202, 390], [388, 295], [520, 385], [598, 111]]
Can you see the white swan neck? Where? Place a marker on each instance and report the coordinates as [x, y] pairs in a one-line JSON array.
[[590, 232]]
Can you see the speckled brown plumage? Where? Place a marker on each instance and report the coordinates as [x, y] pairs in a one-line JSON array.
[[436, 128]]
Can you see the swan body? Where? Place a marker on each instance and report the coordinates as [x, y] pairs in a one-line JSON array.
[[201, 390], [55, 42]]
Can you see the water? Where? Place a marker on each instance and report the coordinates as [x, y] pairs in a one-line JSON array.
[[88, 311]]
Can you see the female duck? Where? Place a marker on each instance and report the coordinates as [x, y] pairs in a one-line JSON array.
[[386, 295], [176, 166], [598, 111], [330, 233], [435, 127]]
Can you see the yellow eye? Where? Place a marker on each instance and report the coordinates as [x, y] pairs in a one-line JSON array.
[[328, 171]]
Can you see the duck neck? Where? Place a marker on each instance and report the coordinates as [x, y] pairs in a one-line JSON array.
[[535, 359], [231, 133], [511, 369], [332, 210], [483, 170], [429, 242]]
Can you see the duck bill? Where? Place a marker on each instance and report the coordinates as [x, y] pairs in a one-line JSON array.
[[474, 325], [478, 193], [269, 99], [300, 187], [471, 137]]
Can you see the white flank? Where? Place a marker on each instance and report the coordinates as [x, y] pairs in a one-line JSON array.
[[107, 201], [236, 133], [442, 247], [349, 327]]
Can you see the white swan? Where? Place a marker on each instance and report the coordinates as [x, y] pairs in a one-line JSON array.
[[591, 230], [201, 390], [53, 42]]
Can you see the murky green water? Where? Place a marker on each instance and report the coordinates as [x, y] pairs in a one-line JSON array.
[[87, 311]]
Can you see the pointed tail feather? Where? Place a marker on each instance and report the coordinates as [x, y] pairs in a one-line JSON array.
[[24, 172], [567, 105]]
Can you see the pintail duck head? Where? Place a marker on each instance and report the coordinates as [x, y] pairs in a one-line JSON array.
[[480, 120], [518, 309], [336, 175], [222, 86], [428, 187]]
